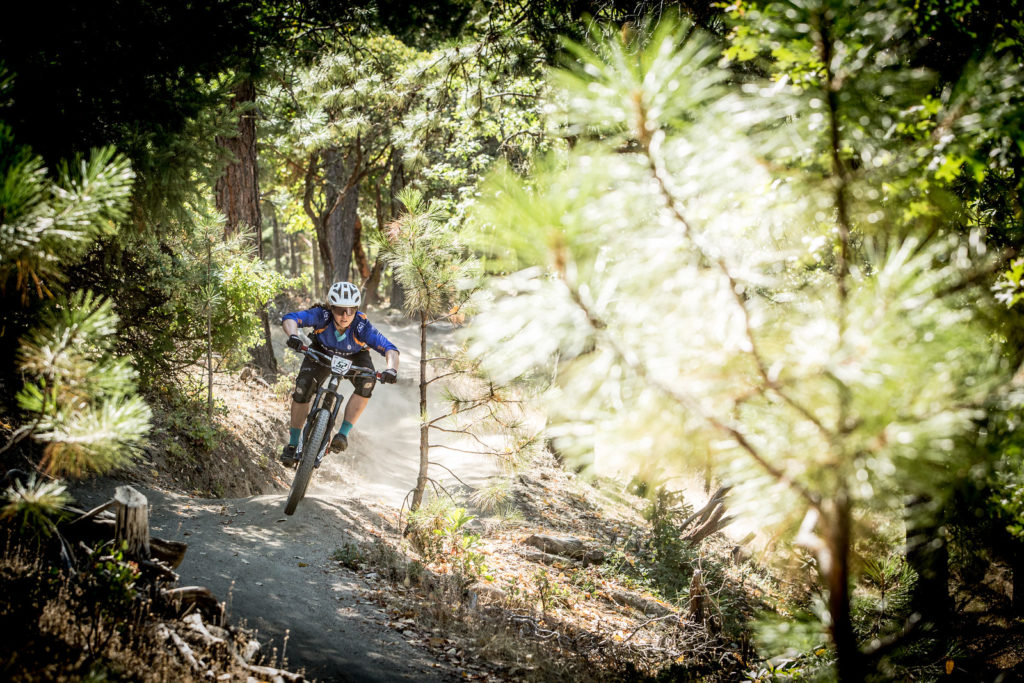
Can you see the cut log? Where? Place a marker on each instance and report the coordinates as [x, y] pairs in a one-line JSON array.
[[268, 673], [132, 525], [199, 597], [158, 571], [170, 552]]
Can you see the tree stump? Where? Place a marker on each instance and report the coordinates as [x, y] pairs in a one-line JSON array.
[[696, 612], [132, 523]]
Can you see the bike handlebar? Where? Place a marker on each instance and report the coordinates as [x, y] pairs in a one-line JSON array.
[[325, 359]]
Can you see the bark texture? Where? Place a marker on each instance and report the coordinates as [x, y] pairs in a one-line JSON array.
[[237, 190], [238, 196], [330, 199], [132, 526]]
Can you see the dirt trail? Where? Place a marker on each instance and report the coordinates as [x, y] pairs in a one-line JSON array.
[[275, 571]]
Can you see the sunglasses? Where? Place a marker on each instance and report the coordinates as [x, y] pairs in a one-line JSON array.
[[344, 310]]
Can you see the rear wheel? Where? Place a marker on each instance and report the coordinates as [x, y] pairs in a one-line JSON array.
[[313, 445]]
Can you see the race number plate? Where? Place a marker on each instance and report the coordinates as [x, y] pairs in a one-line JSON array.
[[339, 365]]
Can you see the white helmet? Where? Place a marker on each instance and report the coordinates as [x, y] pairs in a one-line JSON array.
[[343, 294]]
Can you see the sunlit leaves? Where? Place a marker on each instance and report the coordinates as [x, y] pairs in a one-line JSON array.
[[48, 225], [632, 84], [34, 505], [79, 396], [682, 296], [428, 259]]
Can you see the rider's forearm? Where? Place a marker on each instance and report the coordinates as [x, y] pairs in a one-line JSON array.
[[391, 358], [290, 327]]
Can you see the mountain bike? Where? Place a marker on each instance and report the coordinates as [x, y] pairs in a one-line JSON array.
[[316, 434]]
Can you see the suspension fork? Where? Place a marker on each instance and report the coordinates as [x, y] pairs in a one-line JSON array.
[[328, 395]]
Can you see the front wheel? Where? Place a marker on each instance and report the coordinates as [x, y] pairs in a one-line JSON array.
[[314, 442]]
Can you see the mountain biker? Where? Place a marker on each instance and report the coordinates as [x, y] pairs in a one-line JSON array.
[[339, 329]]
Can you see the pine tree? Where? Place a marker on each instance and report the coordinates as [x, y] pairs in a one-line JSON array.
[[76, 396], [756, 271], [434, 270]]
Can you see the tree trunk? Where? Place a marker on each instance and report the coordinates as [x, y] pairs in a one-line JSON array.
[[334, 220], [397, 294], [293, 262], [238, 196], [276, 238], [237, 190], [848, 659], [315, 287], [928, 555], [362, 263], [397, 183], [339, 224], [132, 526], [1017, 567], [421, 480], [372, 284]]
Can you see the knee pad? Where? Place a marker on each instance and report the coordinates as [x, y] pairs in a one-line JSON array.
[[364, 386], [303, 390]]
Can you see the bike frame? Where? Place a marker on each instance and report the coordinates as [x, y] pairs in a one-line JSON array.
[[328, 397]]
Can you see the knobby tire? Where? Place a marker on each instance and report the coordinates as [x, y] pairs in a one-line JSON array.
[[309, 452]]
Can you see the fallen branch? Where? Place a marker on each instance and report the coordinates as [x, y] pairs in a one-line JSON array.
[[647, 623], [195, 622], [638, 602], [94, 512], [184, 650]]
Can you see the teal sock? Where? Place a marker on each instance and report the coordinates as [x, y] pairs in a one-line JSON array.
[[293, 435], [346, 427]]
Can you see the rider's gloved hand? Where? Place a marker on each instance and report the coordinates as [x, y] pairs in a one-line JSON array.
[[295, 342], [389, 376]]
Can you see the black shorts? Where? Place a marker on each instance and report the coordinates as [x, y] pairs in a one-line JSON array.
[[311, 374]]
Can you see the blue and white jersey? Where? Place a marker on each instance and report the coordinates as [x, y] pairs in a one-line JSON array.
[[359, 335]]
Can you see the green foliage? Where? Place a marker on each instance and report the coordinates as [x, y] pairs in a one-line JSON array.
[[883, 605], [50, 224], [1008, 287], [78, 395], [728, 273], [349, 555], [551, 594], [183, 420], [429, 261], [494, 497], [109, 581], [671, 558], [436, 530], [167, 285], [35, 507]]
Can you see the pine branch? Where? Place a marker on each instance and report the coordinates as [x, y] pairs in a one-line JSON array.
[[693, 406], [447, 374], [444, 467], [465, 432]]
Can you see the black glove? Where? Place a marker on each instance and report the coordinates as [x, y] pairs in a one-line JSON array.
[[389, 376], [295, 342]]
